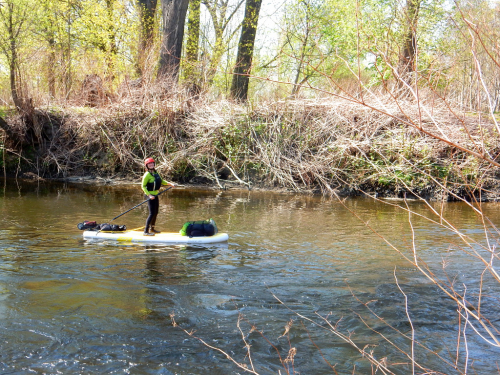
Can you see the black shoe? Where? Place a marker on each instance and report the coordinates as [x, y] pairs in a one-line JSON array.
[[148, 234], [153, 230]]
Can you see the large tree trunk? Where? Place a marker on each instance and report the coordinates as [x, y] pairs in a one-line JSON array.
[[147, 12], [218, 10], [239, 86], [174, 18]]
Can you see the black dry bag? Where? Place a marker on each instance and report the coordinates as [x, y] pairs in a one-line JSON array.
[[112, 227], [86, 225], [201, 228]]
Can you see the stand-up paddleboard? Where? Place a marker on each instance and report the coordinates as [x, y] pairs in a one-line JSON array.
[[138, 236]]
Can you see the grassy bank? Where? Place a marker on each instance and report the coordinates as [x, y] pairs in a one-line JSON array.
[[320, 146]]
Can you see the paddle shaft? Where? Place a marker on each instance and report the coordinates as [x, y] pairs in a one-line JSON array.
[[142, 203]]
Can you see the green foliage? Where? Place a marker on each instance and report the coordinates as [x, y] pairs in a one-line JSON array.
[[321, 42], [233, 142], [4, 111], [337, 40], [62, 41], [183, 170]]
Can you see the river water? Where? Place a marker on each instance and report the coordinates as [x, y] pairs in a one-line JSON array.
[[70, 306]]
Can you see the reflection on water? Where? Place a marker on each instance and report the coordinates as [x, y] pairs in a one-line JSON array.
[[82, 307]]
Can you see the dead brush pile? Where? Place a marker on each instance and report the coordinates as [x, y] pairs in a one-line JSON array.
[[335, 145], [305, 145], [381, 148]]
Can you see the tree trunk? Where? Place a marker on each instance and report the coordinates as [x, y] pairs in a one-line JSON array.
[[67, 79], [147, 12], [112, 51], [193, 40], [14, 89], [11, 51], [51, 74], [239, 86], [218, 10], [174, 18], [407, 58]]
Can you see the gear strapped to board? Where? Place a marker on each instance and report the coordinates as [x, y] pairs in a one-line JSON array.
[[201, 228], [106, 227]]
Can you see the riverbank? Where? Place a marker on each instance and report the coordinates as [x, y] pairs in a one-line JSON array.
[[307, 146], [429, 192]]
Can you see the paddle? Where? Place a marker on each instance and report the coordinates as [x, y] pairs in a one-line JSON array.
[[141, 203]]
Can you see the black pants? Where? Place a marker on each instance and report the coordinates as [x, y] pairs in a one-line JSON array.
[[154, 206]]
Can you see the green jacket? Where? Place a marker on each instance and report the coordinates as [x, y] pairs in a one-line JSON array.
[[148, 183]]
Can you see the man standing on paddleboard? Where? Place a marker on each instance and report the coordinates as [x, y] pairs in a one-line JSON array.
[[151, 183]]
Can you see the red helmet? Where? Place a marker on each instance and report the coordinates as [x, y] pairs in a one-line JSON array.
[[148, 160]]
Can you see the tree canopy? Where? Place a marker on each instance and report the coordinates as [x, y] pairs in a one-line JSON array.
[[46, 51]]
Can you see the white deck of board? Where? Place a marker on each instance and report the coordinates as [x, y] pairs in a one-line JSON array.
[[137, 236]]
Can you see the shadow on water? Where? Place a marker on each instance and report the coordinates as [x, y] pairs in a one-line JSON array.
[[79, 307]]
